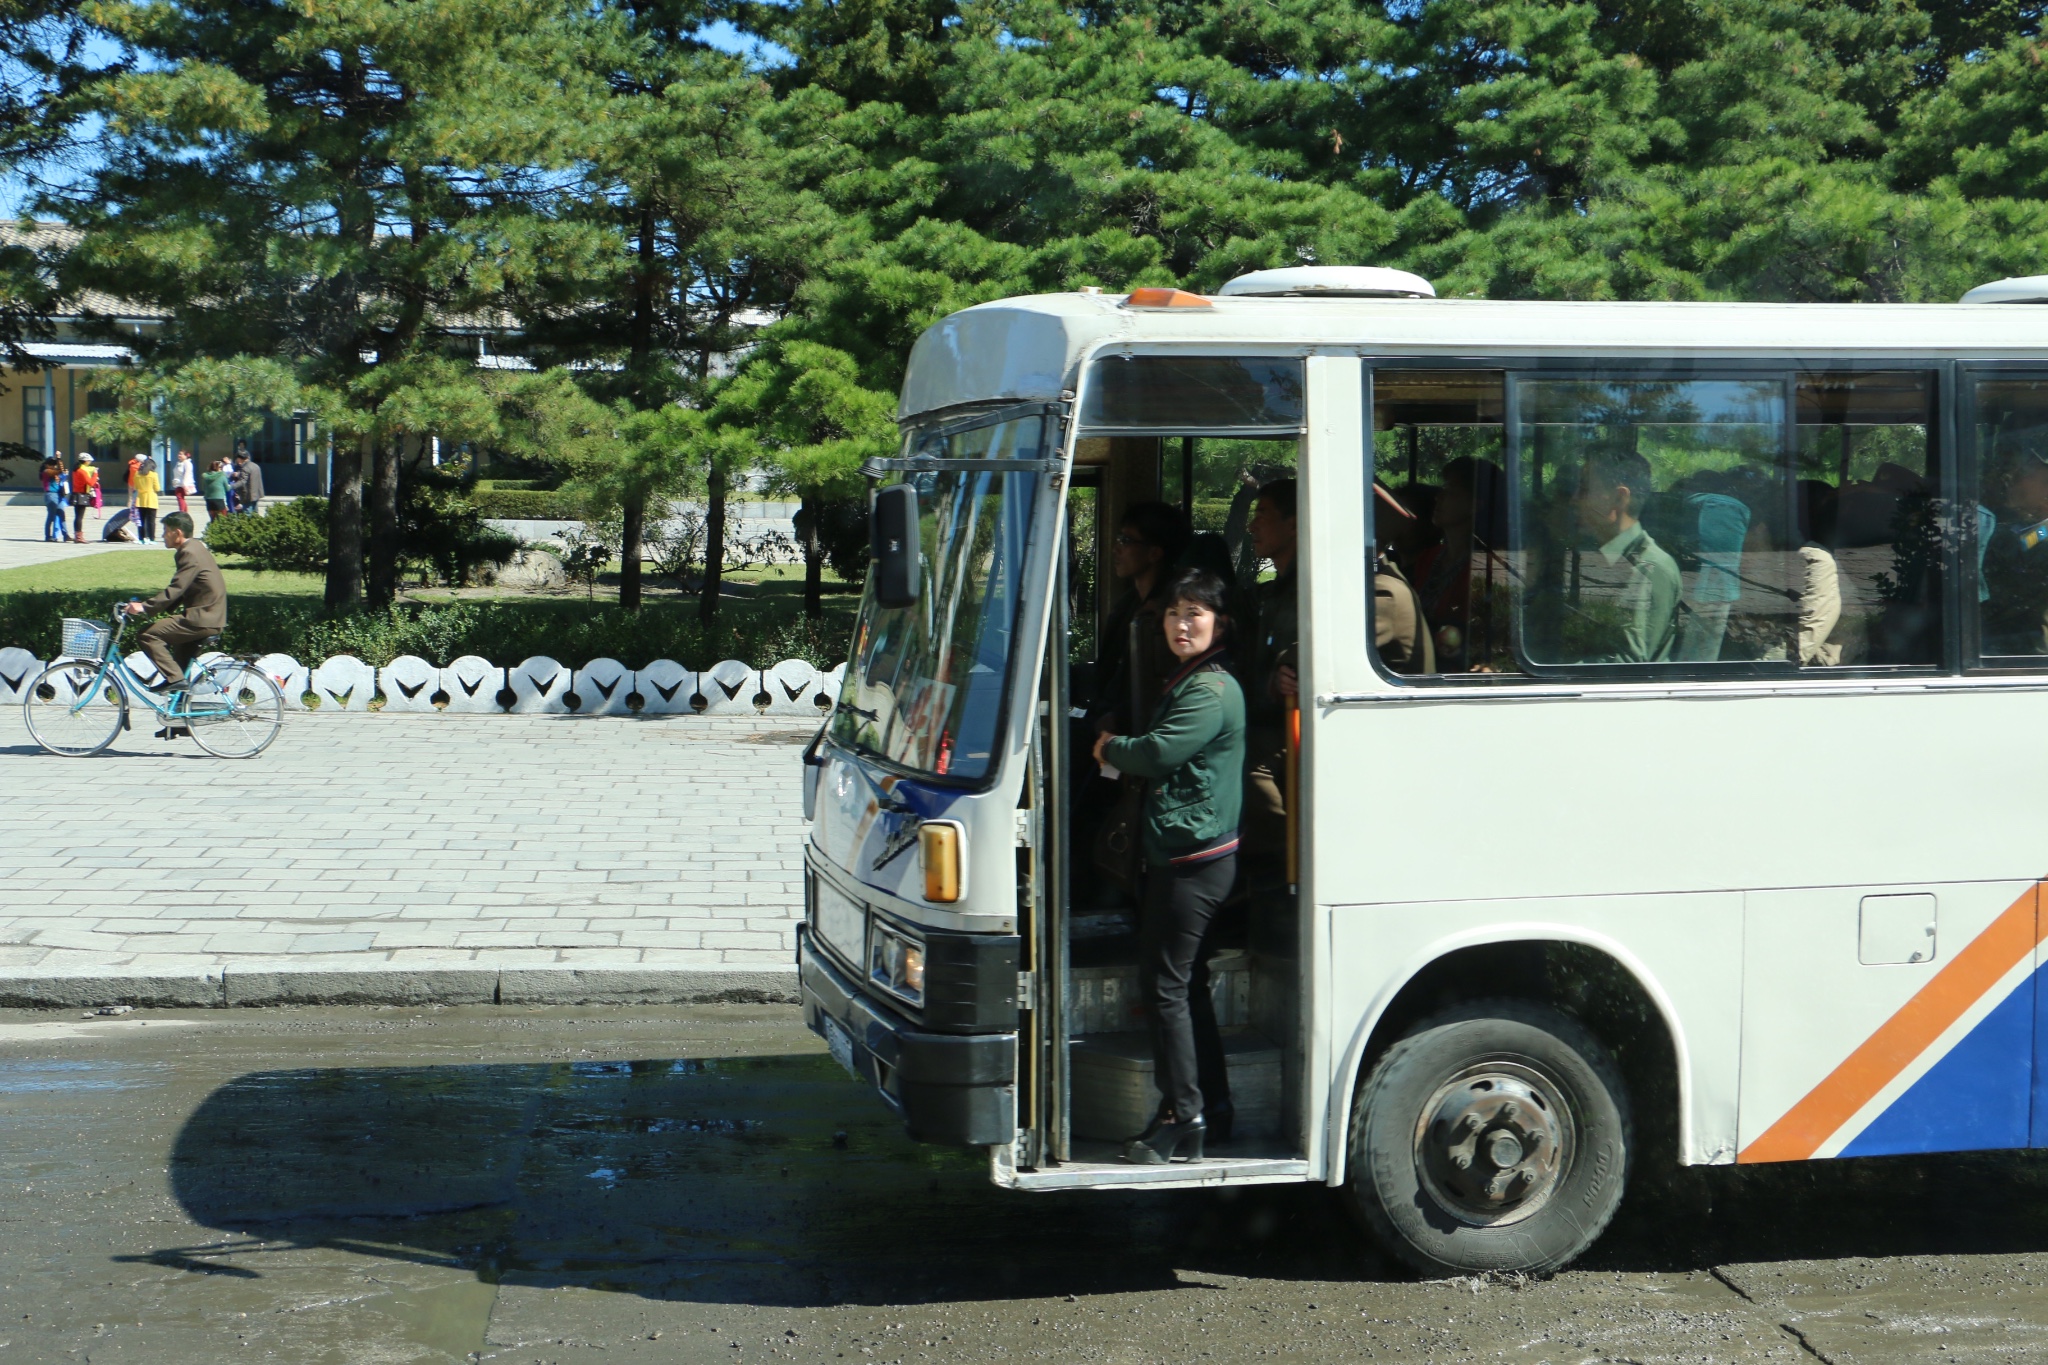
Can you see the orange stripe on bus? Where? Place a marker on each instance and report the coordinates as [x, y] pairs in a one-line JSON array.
[[1903, 1037]]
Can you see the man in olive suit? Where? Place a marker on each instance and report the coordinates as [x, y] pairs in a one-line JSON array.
[[198, 588]]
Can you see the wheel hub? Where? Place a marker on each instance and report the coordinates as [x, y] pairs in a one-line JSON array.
[[1493, 1142]]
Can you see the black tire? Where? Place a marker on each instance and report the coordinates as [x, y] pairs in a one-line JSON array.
[[1477, 1084]]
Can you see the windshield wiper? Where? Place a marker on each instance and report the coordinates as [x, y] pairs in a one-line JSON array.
[[861, 711]]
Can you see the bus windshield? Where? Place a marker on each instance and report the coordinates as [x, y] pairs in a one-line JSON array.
[[924, 688]]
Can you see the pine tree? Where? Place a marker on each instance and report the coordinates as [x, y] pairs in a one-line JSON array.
[[688, 245], [347, 188]]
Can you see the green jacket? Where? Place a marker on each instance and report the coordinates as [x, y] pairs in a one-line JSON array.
[[1192, 761]]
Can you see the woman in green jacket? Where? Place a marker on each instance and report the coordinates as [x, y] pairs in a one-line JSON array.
[[1192, 761]]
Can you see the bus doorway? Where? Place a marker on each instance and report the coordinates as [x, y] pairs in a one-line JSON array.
[[1138, 510]]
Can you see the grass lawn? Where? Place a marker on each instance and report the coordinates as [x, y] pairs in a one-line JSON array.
[[120, 573]]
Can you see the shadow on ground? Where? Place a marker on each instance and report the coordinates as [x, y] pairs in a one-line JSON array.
[[776, 1181]]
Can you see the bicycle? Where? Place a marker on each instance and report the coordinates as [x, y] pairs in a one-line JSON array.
[[77, 705]]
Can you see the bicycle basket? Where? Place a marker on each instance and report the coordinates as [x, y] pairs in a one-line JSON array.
[[87, 639]]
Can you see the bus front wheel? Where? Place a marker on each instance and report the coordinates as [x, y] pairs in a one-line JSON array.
[[1495, 1136]]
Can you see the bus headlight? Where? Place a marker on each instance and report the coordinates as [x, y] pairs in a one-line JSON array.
[[941, 847], [896, 963]]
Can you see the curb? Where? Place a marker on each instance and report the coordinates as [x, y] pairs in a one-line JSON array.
[[232, 987]]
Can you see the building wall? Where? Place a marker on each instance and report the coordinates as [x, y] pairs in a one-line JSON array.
[[68, 385]]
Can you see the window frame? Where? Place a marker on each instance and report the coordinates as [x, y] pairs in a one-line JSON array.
[[34, 422], [943, 424], [1969, 472], [1943, 440]]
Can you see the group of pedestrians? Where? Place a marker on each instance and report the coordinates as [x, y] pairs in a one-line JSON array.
[[77, 488]]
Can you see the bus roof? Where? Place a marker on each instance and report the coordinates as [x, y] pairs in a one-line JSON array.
[[1029, 349]]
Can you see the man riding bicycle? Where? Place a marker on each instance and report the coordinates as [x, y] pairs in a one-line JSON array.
[[174, 641]]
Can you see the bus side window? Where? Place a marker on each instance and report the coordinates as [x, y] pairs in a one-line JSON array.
[[1667, 521], [2008, 425], [1866, 525], [1440, 520]]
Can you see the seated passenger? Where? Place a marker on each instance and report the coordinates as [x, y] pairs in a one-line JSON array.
[[1400, 629], [1630, 606], [2015, 553], [1820, 586], [1471, 511], [1412, 538]]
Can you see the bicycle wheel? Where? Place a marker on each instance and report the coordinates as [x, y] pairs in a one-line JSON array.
[[75, 708], [235, 710]]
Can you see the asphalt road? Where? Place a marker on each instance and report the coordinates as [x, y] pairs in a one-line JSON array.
[[682, 1185]]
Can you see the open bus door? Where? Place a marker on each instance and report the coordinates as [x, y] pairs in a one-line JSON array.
[[1086, 1074]]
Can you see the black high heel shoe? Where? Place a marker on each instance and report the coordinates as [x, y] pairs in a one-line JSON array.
[[1159, 1144], [1222, 1119]]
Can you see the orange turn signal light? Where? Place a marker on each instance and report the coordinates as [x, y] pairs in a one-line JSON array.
[[1165, 298], [940, 846]]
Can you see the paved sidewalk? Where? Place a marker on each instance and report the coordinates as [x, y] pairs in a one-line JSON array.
[[406, 858], [21, 530]]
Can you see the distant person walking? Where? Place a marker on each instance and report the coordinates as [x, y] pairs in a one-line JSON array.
[[201, 594], [247, 484], [145, 494], [85, 492], [213, 485], [134, 471], [182, 482], [56, 497]]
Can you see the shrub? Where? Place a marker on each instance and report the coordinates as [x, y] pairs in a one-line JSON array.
[[842, 536], [524, 504], [292, 535], [445, 534]]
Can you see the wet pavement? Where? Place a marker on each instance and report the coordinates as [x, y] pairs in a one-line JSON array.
[[702, 1184]]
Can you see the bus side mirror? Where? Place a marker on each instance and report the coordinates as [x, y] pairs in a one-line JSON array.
[[892, 532]]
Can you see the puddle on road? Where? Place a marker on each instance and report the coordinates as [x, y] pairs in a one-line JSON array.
[[44, 1076]]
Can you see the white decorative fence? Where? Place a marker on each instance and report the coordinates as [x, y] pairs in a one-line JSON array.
[[537, 686]]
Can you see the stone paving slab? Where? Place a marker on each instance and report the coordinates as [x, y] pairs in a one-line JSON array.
[[397, 858]]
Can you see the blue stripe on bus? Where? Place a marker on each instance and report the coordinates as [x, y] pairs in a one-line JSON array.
[[1979, 1096]]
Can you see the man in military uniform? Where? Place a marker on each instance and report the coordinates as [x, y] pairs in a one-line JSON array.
[[1631, 585]]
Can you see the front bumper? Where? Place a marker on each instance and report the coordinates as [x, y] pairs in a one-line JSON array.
[[948, 1088]]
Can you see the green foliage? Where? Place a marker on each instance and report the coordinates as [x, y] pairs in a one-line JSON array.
[[521, 504], [444, 535], [290, 535], [326, 196], [501, 630]]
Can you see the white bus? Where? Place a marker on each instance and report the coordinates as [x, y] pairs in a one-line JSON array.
[[1708, 838]]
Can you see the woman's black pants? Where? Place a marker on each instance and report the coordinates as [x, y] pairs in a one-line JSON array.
[[1186, 1047]]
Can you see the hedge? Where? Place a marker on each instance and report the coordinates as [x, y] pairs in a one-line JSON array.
[[565, 629], [527, 504]]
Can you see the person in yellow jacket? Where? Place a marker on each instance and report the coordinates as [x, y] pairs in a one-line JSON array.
[[145, 490]]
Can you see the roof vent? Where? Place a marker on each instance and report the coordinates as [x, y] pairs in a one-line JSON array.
[[1329, 281], [2025, 289]]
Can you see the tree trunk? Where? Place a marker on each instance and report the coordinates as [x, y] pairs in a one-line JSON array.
[[714, 546], [345, 527], [635, 514], [814, 559], [384, 524]]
